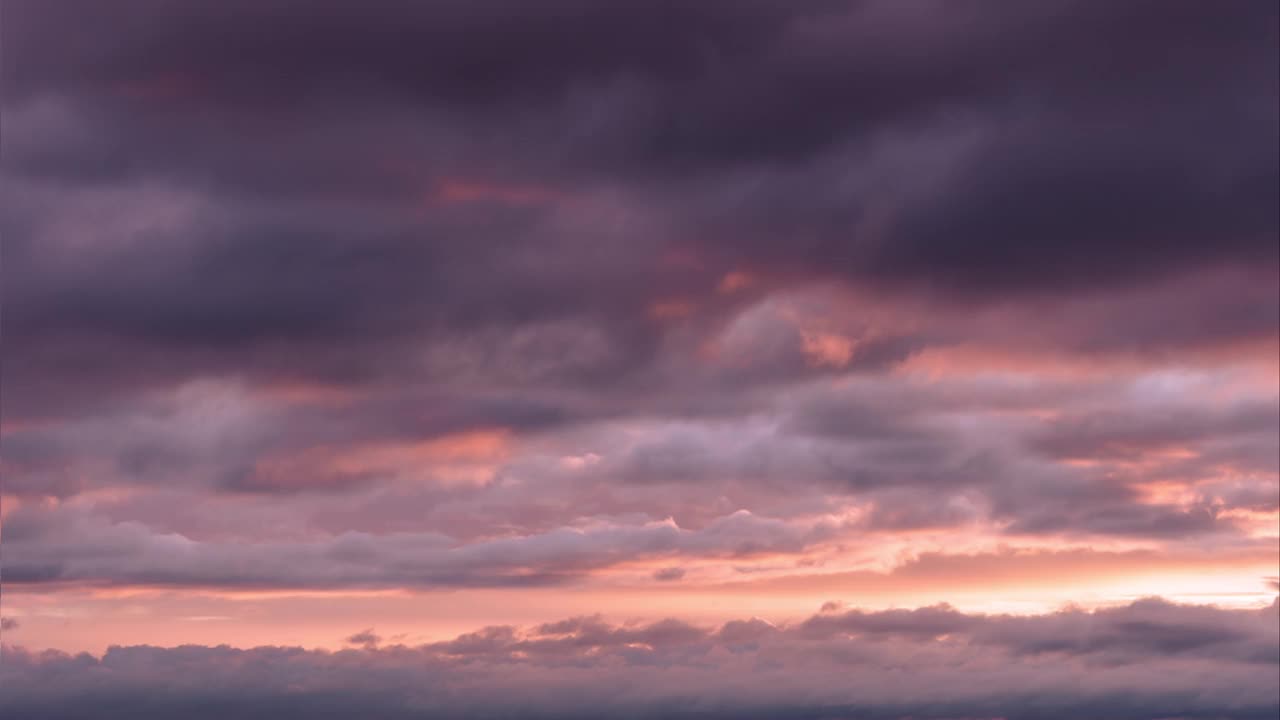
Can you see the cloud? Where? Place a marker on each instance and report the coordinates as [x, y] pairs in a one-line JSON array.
[[589, 154], [1146, 660], [228, 485], [75, 546], [368, 638], [668, 574]]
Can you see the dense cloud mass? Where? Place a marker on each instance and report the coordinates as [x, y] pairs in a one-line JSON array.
[[387, 194], [1145, 660], [659, 309]]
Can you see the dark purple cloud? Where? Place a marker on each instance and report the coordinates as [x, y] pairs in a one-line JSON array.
[[257, 181]]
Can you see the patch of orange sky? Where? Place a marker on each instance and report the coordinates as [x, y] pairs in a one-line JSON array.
[[1003, 581], [469, 458], [456, 190]]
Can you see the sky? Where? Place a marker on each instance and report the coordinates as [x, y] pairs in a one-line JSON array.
[[640, 358]]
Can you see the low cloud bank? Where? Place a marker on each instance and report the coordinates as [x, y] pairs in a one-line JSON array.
[[1150, 659]]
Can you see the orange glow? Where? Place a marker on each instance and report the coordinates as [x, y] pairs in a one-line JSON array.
[[735, 281], [1009, 582], [1251, 368], [468, 458], [462, 191], [828, 349]]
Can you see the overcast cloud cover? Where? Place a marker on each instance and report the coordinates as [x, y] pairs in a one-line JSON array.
[[389, 321]]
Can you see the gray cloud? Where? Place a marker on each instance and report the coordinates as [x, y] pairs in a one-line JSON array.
[[582, 152], [76, 546], [1144, 661], [368, 638], [668, 574]]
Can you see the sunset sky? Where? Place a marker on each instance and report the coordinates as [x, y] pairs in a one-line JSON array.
[[640, 358]]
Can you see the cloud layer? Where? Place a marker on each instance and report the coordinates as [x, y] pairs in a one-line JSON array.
[[1146, 660]]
